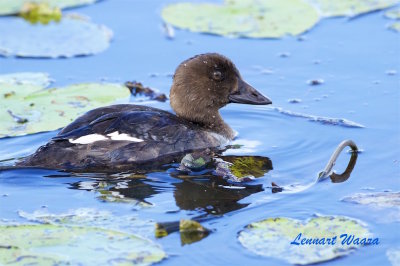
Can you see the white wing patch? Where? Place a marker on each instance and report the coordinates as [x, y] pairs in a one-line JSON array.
[[97, 137], [116, 136], [87, 139]]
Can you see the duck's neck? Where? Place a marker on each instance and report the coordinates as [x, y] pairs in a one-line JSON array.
[[219, 126], [208, 119]]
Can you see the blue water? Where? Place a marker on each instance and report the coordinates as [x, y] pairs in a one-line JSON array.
[[352, 57]]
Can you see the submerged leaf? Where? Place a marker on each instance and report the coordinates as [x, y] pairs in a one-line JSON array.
[[272, 238], [61, 245], [255, 166], [50, 109], [15, 6], [379, 199], [22, 39], [242, 168], [245, 18], [351, 8]]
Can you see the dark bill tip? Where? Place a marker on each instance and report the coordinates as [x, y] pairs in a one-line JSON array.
[[248, 95]]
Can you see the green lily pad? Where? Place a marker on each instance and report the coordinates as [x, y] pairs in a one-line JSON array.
[[379, 199], [50, 109], [393, 14], [245, 18], [89, 217], [68, 245], [395, 26], [394, 256], [22, 39], [351, 8], [272, 237], [14, 6]]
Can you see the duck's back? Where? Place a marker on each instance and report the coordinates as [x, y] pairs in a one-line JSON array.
[[122, 137]]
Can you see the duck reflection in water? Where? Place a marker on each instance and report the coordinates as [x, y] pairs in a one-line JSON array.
[[206, 192]]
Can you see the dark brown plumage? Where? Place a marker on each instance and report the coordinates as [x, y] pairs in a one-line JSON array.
[[126, 136]]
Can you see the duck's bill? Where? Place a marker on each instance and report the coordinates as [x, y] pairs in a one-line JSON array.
[[248, 95]]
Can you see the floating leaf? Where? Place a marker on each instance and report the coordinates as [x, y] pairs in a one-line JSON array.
[[69, 245], [245, 18], [350, 8], [15, 6], [22, 39], [379, 199], [88, 217], [50, 109], [393, 14], [272, 238], [40, 12], [192, 231], [395, 26], [25, 78]]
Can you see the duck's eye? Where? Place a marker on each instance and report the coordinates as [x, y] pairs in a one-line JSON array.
[[217, 75]]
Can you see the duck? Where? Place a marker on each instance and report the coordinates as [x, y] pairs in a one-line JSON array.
[[126, 137]]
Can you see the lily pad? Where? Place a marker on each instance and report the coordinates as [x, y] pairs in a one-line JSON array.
[[88, 217], [26, 78], [50, 109], [63, 245], [395, 26], [379, 199], [272, 237], [351, 8], [15, 6], [393, 14], [245, 18], [70, 37]]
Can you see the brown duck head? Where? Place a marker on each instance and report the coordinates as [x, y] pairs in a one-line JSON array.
[[205, 83]]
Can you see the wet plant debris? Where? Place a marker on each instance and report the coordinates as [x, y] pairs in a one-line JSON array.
[[40, 13], [137, 88]]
